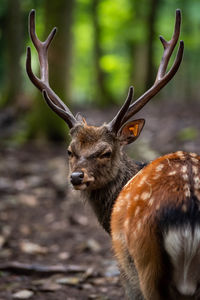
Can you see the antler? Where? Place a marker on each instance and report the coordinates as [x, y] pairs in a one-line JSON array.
[[42, 83], [162, 77]]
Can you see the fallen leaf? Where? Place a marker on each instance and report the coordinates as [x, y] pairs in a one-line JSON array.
[[64, 255], [31, 248], [28, 200], [93, 245], [50, 286], [23, 294], [69, 280]]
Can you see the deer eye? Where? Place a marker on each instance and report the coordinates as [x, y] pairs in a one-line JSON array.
[[106, 154]]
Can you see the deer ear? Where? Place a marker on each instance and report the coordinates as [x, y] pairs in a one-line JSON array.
[[130, 131]]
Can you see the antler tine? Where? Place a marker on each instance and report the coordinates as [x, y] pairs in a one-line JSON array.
[[43, 82], [115, 124], [158, 85], [41, 47], [62, 113], [169, 46], [162, 77]]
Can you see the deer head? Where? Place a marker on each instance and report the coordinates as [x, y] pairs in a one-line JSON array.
[[95, 152]]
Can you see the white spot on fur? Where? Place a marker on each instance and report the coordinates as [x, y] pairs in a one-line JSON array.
[[156, 176], [196, 182], [142, 181], [184, 169], [182, 245], [159, 167], [139, 225], [158, 206], [118, 236], [145, 195], [195, 160], [184, 208], [195, 170], [172, 173], [186, 188], [168, 161], [185, 177], [151, 201], [127, 197], [137, 210], [136, 197], [119, 204], [193, 154], [145, 218], [126, 223], [117, 209], [180, 154]]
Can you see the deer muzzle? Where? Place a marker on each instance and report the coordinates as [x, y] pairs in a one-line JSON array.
[[80, 180], [77, 178]]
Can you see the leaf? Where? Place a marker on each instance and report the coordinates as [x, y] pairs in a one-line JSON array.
[[23, 294], [69, 280], [31, 248]]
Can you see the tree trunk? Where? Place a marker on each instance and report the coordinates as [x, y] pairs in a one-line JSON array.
[[44, 121], [151, 32], [103, 96], [14, 47]]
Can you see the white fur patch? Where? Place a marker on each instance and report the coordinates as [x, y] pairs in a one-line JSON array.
[[195, 170], [118, 236], [159, 167], [172, 173], [195, 160], [137, 210], [180, 154], [145, 195], [142, 181], [184, 169], [183, 247]]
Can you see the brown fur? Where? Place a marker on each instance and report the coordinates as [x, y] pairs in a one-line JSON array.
[[135, 220]]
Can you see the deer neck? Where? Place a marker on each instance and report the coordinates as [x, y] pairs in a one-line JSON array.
[[102, 200]]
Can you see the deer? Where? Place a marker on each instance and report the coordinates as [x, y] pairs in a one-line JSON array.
[[150, 210]]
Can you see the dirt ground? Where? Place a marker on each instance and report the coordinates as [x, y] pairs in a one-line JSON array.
[[44, 224]]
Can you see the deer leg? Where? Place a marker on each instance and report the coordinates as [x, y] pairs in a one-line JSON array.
[[129, 278], [132, 292]]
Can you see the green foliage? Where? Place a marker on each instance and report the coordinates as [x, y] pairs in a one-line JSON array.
[[188, 134], [122, 59]]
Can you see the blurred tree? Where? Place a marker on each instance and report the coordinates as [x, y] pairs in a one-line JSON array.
[[114, 45], [14, 47], [151, 32], [103, 95], [136, 46], [43, 121]]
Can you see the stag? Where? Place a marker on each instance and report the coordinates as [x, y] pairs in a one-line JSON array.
[[150, 210]]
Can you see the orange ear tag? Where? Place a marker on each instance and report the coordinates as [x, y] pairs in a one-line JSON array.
[[134, 129]]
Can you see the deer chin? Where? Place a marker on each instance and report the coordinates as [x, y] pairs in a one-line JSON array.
[[82, 187]]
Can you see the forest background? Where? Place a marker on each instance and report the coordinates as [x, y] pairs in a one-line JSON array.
[[101, 48]]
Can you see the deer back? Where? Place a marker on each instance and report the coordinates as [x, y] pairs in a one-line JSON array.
[[156, 224]]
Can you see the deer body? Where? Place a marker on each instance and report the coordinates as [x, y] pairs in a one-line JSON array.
[[155, 224], [152, 211]]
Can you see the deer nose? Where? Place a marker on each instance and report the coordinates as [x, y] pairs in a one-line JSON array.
[[77, 177]]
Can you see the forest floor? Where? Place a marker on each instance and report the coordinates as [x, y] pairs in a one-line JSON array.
[[43, 223]]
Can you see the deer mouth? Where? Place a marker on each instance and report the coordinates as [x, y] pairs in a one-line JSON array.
[[81, 187]]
